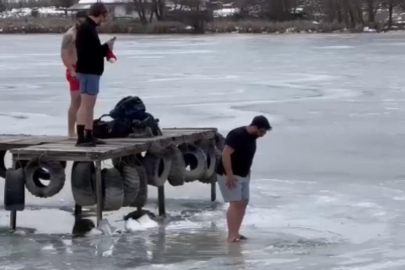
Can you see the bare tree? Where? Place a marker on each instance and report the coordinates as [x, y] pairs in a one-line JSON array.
[[158, 9], [141, 7], [391, 5]]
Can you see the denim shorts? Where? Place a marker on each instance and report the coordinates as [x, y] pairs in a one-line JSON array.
[[89, 83], [240, 192]]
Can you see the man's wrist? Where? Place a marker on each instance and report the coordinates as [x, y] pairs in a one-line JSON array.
[[229, 173]]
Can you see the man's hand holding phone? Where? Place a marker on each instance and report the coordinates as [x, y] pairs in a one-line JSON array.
[[111, 42]]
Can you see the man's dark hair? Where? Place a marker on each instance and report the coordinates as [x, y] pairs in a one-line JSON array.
[[97, 9], [81, 14], [261, 122]]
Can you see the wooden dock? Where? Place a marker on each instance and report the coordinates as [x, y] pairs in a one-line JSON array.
[[25, 147]]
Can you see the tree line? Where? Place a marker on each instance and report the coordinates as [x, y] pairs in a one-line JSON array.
[[349, 12], [352, 13], [195, 12]]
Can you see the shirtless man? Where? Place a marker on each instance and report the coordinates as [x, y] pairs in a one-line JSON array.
[[69, 59]]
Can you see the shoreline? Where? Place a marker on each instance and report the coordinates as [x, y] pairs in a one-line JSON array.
[[60, 25]]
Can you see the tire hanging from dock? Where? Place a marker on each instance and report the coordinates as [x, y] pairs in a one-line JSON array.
[[142, 197], [56, 181], [211, 155], [219, 141], [176, 175], [14, 190], [131, 160], [113, 190], [157, 168], [130, 179], [3, 169], [40, 173], [83, 183], [194, 158]]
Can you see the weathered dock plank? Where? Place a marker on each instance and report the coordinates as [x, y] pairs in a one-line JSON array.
[[60, 148], [15, 141]]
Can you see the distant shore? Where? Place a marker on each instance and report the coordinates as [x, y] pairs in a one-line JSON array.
[[49, 25]]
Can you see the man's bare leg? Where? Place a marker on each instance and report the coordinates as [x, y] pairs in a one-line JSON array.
[[233, 219], [242, 213], [75, 99]]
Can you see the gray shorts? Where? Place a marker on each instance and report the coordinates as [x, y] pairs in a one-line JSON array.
[[89, 83], [238, 193]]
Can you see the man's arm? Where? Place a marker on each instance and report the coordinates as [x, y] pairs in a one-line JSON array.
[[231, 143], [226, 159], [66, 50], [104, 49]]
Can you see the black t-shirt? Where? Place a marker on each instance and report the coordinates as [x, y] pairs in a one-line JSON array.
[[90, 52], [244, 145]]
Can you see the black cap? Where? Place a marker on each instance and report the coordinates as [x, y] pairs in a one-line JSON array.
[[261, 122], [81, 14]]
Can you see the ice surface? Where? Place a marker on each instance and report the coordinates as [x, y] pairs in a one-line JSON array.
[[327, 189]]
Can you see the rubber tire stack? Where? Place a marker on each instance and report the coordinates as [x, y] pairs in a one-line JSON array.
[[195, 158], [219, 141], [212, 158], [14, 190], [176, 175], [40, 173], [153, 164], [142, 197], [56, 181], [113, 190], [130, 179], [84, 183]]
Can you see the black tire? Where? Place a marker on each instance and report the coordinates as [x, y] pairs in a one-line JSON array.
[[131, 160], [40, 173], [83, 183], [219, 141], [14, 190], [194, 158], [56, 182], [3, 169], [157, 168], [142, 197], [113, 190], [176, 175], [131, 184], [212, 162]]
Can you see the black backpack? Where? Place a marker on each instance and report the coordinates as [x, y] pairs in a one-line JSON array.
[[129, 107], [129, 116], [117, 128]]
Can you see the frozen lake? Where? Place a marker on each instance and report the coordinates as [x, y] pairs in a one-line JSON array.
[[328, 182]]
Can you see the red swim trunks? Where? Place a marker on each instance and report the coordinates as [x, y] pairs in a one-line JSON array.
[[74, 84]]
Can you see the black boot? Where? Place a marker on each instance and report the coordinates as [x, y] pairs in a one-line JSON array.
[[91, 138], [81, 139]]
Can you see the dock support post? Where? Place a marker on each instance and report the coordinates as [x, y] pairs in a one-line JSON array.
[[99, 192], [13, 220], [213, 191], [161, 201], [13, 213], [78, 210]]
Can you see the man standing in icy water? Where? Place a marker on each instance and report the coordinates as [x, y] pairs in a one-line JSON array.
[[90, 67], [234, 171], [69, 59]]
